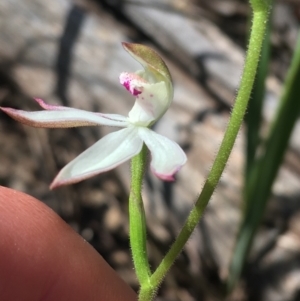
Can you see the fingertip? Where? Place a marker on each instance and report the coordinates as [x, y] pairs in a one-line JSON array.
[[42, 258]]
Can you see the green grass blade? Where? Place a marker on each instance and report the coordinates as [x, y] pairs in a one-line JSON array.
[[253, 117], [264, 172]]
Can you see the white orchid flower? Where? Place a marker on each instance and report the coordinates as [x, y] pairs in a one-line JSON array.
[[153, 90]]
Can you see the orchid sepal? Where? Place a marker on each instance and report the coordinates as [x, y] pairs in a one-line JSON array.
[[167, 157], [64, 117], [148, 58], [109, 152]]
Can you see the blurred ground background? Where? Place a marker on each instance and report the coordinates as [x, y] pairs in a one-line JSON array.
[[69, 52]]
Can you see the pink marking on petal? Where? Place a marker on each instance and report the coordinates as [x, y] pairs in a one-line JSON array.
[[49, 107], [126, 85], [131, 82], [166, 177], [18, 116], [136, 92], [23, 117], [56, 183], [8, 111]]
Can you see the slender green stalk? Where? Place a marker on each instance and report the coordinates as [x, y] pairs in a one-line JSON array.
[[264, 172], [253, 117], [147, 292], [137, 222], [260, 16]]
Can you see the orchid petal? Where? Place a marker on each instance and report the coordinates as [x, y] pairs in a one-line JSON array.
[[167, 155], [152, 86], [109, 152], [114, 117], [64, 117], [152, 99]]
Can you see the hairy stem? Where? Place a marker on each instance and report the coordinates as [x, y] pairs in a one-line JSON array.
[[260, 16], [137, 221]]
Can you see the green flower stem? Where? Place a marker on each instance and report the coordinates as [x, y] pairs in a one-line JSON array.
[[137, 221], [266, 167], [260, 17], [147, 292]]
